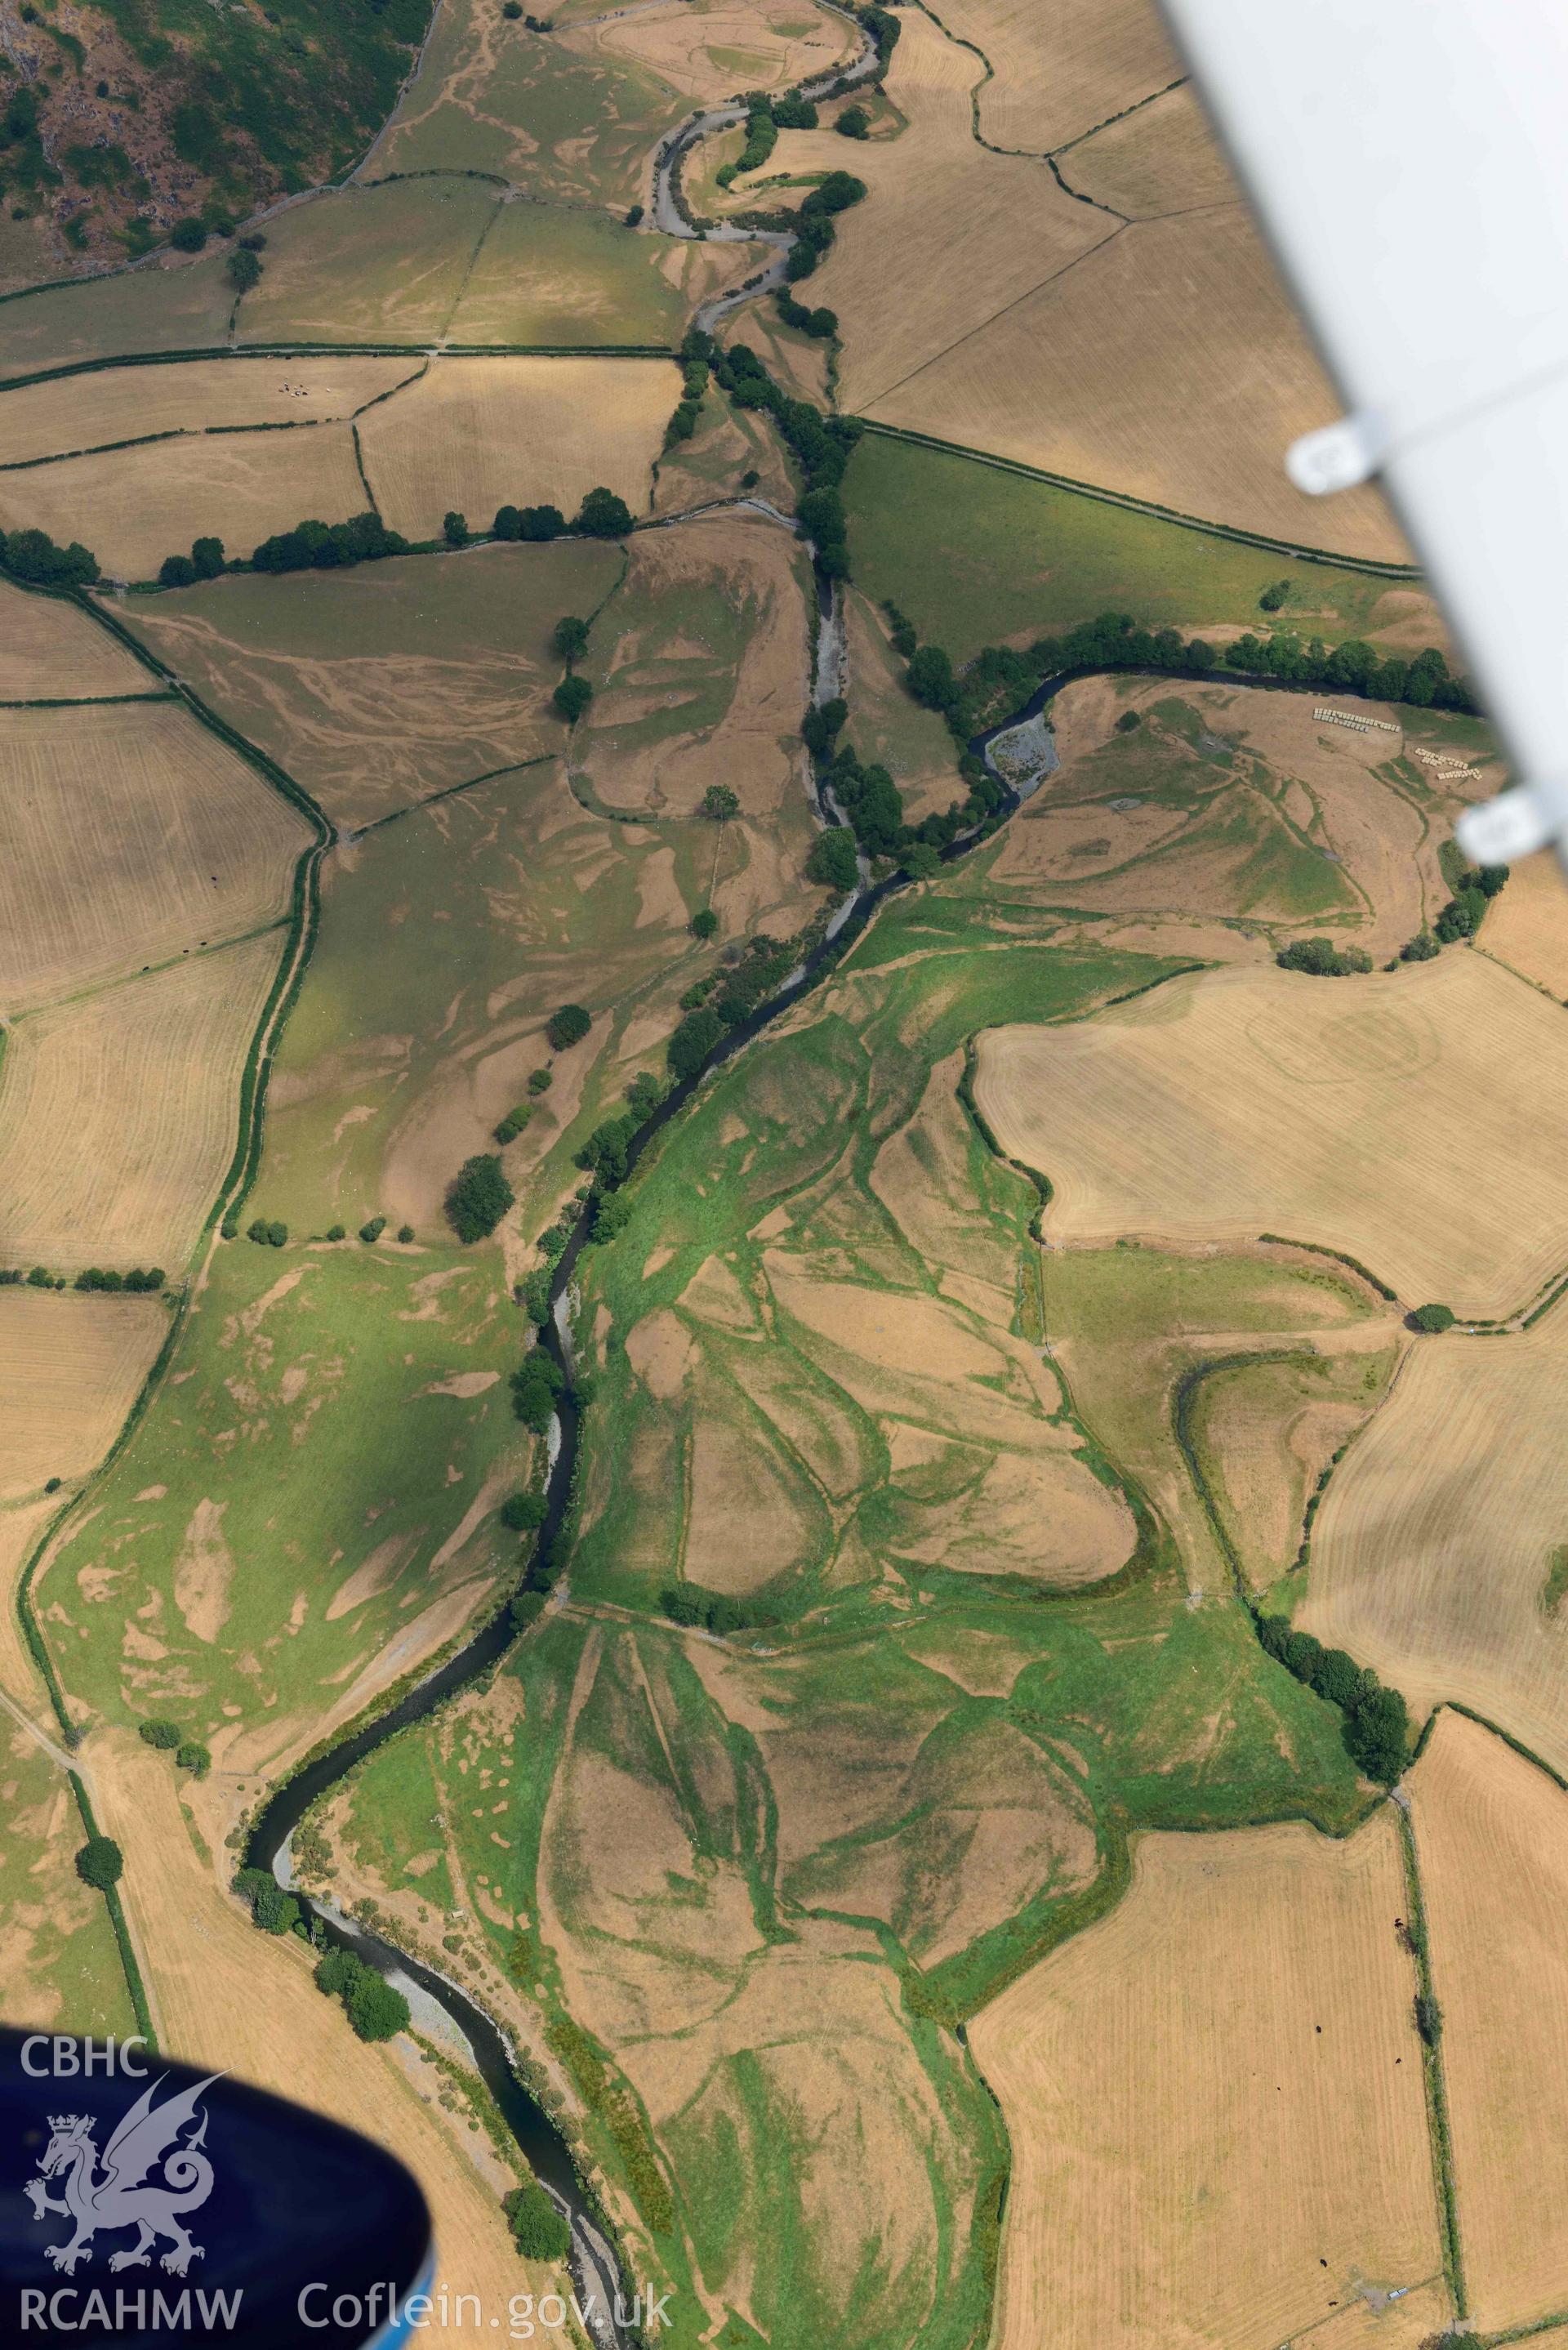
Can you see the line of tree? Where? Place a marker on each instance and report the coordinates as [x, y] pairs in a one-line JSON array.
[[41, 1277], [205, 561], [326, 546], [815, 231], [32, 556], [374, 2008], [1375, 1726], [821, 443], [688, 410], [762, 136], [819, 323], [998, 679], [714, 1611], [1322, 959], [139, 1278]]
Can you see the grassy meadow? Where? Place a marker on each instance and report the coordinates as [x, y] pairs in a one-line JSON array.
[[978, 555]]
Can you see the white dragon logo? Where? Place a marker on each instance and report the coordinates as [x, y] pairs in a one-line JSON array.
[[117, 2197]]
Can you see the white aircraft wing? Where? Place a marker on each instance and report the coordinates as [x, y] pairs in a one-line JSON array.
[[1408, 158]]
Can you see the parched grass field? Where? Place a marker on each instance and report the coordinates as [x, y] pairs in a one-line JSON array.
[[143, 502], [118, 1112], [1235, 1102], [476, 433], [184, 306], [69, 1370], [50, 651], [546, 274], [889, 726], [1436, 1554], [1127, 1325], [700, 667], [59, 1966], [1267, 1432], [554, 117], [396, 1068], [132, 833], [114, 404], [975, 232], [1527, 928], [976, 555], [214, 1581], [1054, 80], [382, 263], [1491, 1833], [1162, 158], [718, 47], [1167, 364], [1227, 802], [378, 686], [1215, 2102]]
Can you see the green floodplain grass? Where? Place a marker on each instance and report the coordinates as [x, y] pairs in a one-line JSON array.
[[565, 126], [976, 554], [299, 1405]]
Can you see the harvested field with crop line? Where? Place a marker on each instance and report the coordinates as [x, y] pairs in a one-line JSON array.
[[141, 503], [133, 834], [1230, 1103], [69, 1370], [475, 434], [118, 1112], [116, 404], [1491, 1834], [1215, 2101]]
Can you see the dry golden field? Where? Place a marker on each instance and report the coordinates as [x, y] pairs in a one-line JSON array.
[[718, 47], [49, 651], [1167, 364], [1527, 927], [480, 433], [140, 505], [88, 411], [1054, 78], [1230, 1103], [1162, 159], [132, 833], [376, 686], [224, 1995], [1434, 1552], [974, 232], [1215, 2102], [1491, 1834], [69, 1370], [118, 1113]]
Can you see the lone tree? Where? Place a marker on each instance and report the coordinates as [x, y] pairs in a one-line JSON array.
[[539, 2231], [162, 1734], [569, 1025], [478, 1198], [721, 803], [603, 516], [376, 2010], [1432, 1317], [572, 697], [571, 637], [101, 1862]]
